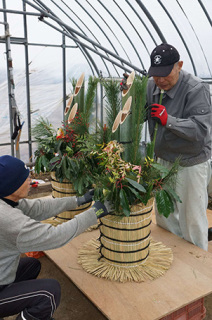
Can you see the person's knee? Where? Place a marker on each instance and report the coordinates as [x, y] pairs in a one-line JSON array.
[[53, 287], [46, 299]]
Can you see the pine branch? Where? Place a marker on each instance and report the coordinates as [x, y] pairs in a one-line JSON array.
[[90, 95], [42, 129], [139, 115], [113, 101]]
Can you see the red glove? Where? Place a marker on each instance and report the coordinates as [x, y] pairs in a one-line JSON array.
[[159, 113]]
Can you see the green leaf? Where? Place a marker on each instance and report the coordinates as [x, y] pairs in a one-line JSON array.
[[136, 185], [136, 193], [173, 194], [163, 170], [164, 203], [45, 162], [38, 165], [124, 203]]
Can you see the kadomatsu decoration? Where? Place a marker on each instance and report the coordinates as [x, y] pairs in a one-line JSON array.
[[125, 250]]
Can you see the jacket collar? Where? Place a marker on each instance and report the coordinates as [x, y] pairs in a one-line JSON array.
[[10, 202]]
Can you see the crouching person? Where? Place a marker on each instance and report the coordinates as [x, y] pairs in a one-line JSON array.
[[21, 231]]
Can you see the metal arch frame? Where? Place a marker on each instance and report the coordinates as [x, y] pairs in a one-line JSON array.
[[70, 29], [78, 25], [178, 31], [109, 29], [123, 31], [196, 37], [101, 31], [153, 22], [87, 59], [98, 53], [145, 26], [67, 33], [205, 11], [82, 49], [133, 28]]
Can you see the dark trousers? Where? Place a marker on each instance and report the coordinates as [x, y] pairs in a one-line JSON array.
[[39, 297]]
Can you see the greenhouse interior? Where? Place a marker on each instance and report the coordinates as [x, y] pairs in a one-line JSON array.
[[107, 106]]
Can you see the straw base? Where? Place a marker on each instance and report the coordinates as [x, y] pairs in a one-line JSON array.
[[158, 262]]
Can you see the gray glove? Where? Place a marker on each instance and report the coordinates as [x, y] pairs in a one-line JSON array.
[[87, 197], [103, 209]]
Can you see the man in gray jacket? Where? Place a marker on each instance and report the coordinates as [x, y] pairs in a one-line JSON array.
[[21, 231], [184, 133]]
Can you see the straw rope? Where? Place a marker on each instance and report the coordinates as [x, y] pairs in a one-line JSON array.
[[155, 265], [126, 239]]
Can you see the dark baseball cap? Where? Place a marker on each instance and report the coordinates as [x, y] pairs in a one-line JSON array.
[[13, 173], [163, 58]]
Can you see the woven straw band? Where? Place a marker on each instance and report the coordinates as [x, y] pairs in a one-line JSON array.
[[60, 190], [121, 230]]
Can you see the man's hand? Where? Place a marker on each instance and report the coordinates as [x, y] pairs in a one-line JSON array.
[[159, 113], [86, 198], [102, 209]]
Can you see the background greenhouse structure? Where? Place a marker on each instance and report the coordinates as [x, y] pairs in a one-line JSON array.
[[44, 44]]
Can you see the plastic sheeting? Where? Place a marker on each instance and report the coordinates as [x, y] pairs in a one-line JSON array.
[[102, 38]]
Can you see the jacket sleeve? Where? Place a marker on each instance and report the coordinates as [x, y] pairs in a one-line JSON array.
[[37, 236], [197, 118], [44, 208]]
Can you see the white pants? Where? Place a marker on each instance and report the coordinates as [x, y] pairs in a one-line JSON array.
[[189, 220]]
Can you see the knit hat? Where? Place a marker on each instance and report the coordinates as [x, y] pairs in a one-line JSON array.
[[163, 58], [13, 173]]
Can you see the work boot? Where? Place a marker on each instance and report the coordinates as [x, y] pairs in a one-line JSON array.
[[209, 234]]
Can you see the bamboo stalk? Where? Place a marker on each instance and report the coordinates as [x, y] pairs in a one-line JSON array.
[[155, 129], [79, 92], [126, 128], [69, 105], [73, 112]]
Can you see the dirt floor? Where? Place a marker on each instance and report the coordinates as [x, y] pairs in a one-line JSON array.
[[74, 304]]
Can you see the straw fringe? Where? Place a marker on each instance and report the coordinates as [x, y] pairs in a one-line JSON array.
[[158, 262]]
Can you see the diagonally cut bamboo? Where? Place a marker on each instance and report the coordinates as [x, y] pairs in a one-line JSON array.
[[126, 129], [126, 110], [69, 104], [79, 92], [73, 113], [117, 121]]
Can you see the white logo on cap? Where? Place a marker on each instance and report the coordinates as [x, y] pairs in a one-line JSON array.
[[157, 59]]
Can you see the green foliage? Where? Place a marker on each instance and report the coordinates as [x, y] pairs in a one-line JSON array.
[[126, 184], [66, 151], [89, 97], [45, 136], [73, 83], [138, 118], [112, 102], [164, 203]]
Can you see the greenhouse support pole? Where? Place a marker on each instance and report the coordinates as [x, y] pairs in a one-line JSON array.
[[101, 104], [27, 85], [64, 71], [8, 82]]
